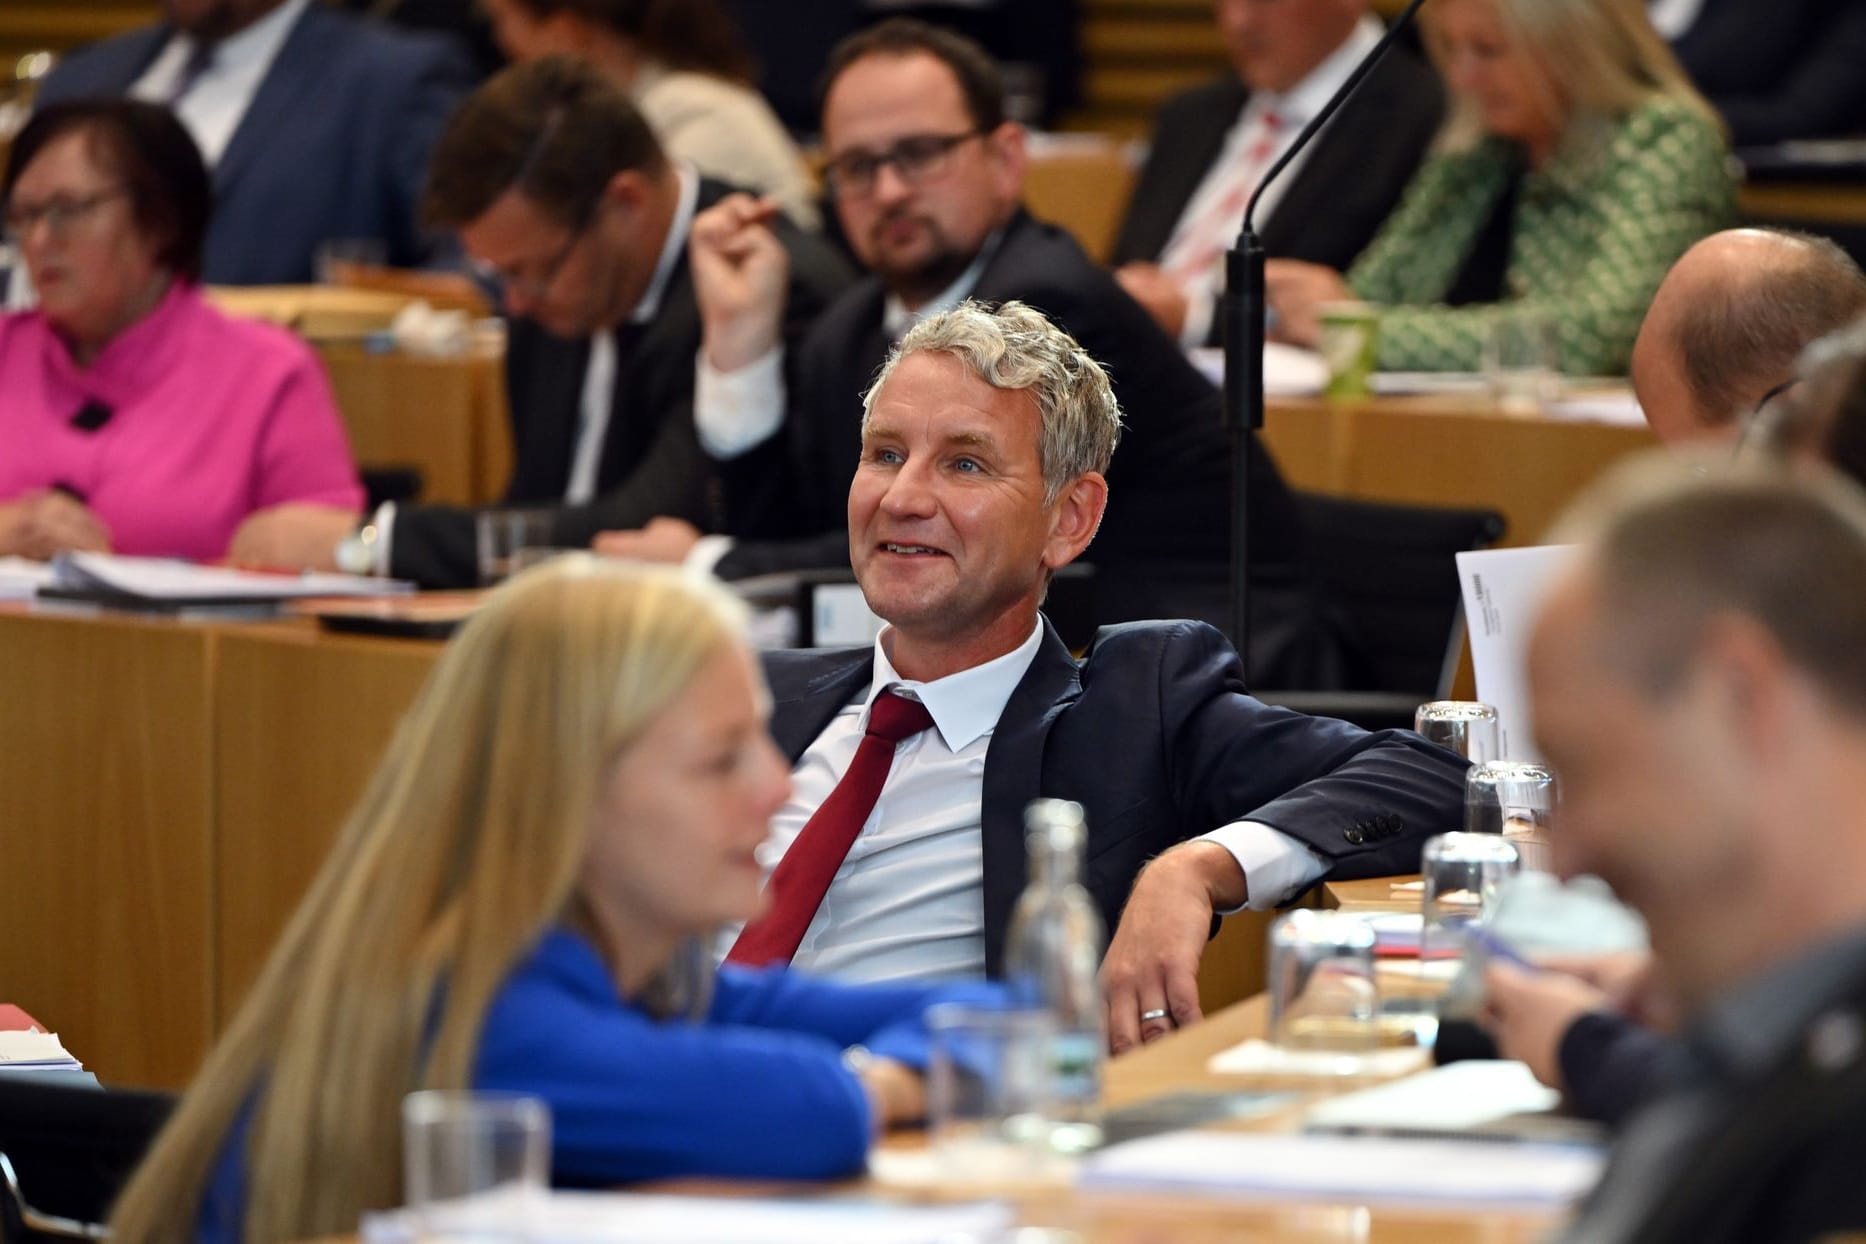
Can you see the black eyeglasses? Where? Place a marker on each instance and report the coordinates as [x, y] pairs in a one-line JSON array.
[[60, 213], [1764, 423], [915, 158]]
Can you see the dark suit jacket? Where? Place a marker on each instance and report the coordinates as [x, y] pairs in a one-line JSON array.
[[1779, 1155], [651, 462], [1337, 200], [334, 144], [1781, 70], [1165, 699], [1168, 504]]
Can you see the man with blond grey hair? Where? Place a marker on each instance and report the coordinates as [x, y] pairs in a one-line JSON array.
[[1700, 685], [984, 446]]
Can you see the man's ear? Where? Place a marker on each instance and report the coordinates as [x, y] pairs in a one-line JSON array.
[[1074, 518], [1009, 157], [627, 189]]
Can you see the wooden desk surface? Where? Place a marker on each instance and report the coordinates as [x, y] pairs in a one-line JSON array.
[[1450, 450]]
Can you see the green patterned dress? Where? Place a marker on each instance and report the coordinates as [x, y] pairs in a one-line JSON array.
[[1593, 234]]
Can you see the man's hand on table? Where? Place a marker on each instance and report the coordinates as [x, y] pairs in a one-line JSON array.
[[1152, 963], [662, 540]]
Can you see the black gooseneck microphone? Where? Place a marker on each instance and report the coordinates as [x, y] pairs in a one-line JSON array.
[[1242, 306]]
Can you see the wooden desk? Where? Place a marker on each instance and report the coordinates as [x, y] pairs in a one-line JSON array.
[[446, 416], [167, 790], [1445, 450]]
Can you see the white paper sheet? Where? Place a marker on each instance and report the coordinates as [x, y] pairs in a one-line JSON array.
[[20, 578], [606, 1217], [156, 578], [1503, 590], [1367, 1170], [22, 1048], [1460, 1097], [1288, 371]]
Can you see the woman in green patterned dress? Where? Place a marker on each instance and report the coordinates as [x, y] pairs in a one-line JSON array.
[[1576, 165]]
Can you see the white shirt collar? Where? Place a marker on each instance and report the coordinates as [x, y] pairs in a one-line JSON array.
[[965, 706], [258, 43], [1297, 106], [676, 241], [897, 317]]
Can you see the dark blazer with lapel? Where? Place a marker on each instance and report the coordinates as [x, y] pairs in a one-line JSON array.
[[651, 462], [1783, 70], [1153, 734], [334, 144], [1169, 482], [1336, 202]]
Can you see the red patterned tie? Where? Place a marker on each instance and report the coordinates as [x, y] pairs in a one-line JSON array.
[[1196, 249], [802, 877]]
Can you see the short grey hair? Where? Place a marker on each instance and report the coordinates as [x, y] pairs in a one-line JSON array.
[[1013, 346], [1673, 541], [1738, 342]]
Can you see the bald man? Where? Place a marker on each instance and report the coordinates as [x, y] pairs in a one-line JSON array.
[[1729, 321]]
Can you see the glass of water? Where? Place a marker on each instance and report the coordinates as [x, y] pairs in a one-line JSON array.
[[1464, 726], [475, 1164], [1461, 873], [1522, 361], [990, 1084], [1323, 994]]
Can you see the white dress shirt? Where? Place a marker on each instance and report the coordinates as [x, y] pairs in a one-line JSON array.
[[217, 101], [1294, 109], [908, 901]]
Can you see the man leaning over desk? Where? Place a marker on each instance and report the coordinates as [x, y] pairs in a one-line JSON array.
[[985, 444]]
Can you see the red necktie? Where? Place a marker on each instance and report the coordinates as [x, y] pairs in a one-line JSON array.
[[802, 877], [1196, 249]]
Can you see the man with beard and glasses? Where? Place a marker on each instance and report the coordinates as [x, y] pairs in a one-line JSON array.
[[927, 175], [316, 124]]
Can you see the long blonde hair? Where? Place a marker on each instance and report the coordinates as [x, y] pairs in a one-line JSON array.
[[1601, 57], [463, 850]]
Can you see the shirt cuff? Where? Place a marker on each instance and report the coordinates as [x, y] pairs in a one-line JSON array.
[[384, 522], [1276, 867], [1200, 306], [733, 411], [706, 554]]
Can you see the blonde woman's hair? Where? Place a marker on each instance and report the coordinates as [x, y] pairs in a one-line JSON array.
[[1013, 346], [464, 849], [1601, 58]]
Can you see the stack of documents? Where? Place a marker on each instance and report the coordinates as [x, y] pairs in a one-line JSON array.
[[1476, 1099], [162, 585], [31, 1050]]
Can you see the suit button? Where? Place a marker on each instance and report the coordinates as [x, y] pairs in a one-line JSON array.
[[1355, 836], [1835, 1041]]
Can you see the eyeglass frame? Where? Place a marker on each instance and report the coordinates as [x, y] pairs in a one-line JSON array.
[[60, 214], [931, 164], [539, 286]]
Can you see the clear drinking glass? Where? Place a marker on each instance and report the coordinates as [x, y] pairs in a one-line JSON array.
[[1522, 362], [510, 540], [1323, 995], [1461, 874], [990, 1082], [1514, 799], [1465, 726], [493, 1147]]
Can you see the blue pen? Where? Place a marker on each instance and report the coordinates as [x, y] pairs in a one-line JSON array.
[[1496, 948]]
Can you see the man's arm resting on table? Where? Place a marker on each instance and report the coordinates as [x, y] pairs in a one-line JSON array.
[[1153, 959]]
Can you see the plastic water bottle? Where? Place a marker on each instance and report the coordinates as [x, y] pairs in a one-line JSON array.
[[1051, 959]]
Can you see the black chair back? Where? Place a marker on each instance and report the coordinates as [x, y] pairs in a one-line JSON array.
[[1388, 576], [65, 1153]]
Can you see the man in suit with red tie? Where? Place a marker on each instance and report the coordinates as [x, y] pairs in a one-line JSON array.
[[1213, 144], [985, 443]]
